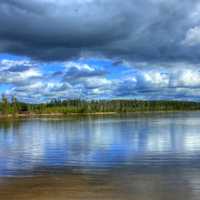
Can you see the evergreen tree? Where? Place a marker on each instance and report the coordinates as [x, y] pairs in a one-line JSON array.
[[5, 105], [14, 106]]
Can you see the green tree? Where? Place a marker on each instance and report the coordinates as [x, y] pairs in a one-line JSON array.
[[5, 105], [14, 106]]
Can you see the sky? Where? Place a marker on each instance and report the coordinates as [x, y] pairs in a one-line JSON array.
[[100, 49]]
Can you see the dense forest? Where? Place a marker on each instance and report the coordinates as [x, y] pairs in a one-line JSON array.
[[14, 107]]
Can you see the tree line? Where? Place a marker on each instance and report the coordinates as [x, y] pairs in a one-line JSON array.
[[14, 107]]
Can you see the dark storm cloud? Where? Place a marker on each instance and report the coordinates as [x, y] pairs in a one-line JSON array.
[[150, 30]]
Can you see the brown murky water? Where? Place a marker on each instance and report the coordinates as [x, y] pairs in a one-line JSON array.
[[132, 157]]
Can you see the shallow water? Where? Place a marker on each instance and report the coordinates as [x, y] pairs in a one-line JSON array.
[[138, 157]]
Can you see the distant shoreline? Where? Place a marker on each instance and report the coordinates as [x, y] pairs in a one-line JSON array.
[[30, 115], [78, 107], [43, 115]]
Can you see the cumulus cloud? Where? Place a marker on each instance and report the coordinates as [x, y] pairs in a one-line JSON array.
[[81, 80], [76, 72], [192, 36], [185, 78], [33, 84], [172, 83], [16, 72]]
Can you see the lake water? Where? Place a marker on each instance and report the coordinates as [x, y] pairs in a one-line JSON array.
[[124, 157]]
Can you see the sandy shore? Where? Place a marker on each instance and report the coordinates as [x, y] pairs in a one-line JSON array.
[[32, 115]]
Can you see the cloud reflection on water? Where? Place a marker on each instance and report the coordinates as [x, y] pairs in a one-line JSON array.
[[100, 142]]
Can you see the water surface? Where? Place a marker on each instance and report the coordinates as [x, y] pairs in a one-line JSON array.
[[138, 157]]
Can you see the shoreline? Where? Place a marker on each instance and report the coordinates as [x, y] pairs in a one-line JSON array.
[[32, 115], [43, 115]]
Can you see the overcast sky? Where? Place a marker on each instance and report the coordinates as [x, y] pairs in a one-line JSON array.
[[100, 49]]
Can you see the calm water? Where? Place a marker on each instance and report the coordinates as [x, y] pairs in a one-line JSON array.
[[136, 157]]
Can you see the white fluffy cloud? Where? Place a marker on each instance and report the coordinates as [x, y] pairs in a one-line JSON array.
[[152, 79], [192, 36], [17, 71], [74, 80], [185, 78], [80, 80], [173, 83]]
